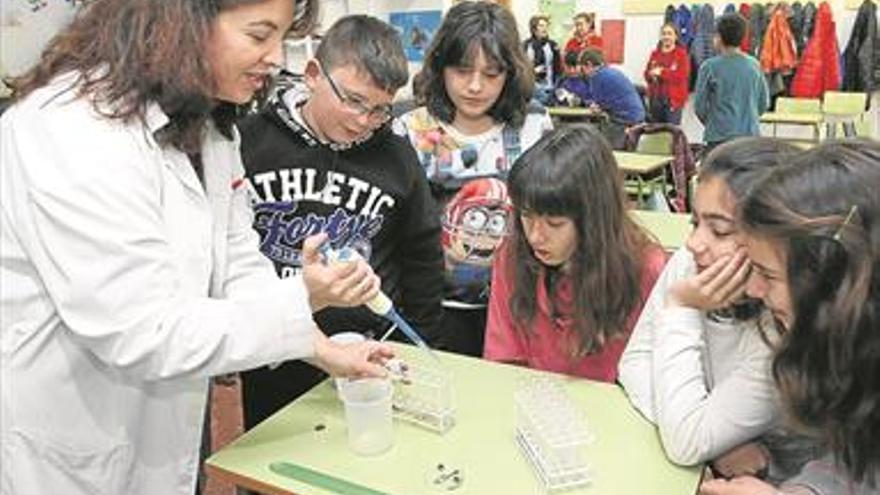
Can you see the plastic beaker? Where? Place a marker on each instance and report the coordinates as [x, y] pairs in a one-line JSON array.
[[368, 414]]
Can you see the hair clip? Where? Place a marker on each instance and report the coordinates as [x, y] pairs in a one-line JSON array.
[[846, 221]]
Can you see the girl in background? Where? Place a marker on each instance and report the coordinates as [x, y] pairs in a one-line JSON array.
[[813, 237], [697, 364], [545, 57], [584, 35], [667, 74], [476, 83], [572, 276]]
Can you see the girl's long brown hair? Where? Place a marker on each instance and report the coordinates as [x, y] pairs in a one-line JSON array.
[[467, 26], [824, 211], [129, 53], [572, 172]]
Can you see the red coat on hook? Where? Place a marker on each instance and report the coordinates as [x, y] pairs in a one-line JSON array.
[[819, 70]]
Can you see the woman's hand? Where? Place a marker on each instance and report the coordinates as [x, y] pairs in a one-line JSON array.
[[718, 286], [748, 459], [347, 284], [745, 485], [358, 360]]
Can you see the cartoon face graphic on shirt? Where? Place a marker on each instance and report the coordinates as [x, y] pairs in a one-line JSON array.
[[475, 222]]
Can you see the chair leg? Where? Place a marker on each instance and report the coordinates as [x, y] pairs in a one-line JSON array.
[[830, 130]]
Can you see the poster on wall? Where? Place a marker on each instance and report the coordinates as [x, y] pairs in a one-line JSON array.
[[613, 33], [416, 29], [560, 13]]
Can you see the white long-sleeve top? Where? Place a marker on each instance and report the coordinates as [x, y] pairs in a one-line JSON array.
[[125, 283], [705, 383]]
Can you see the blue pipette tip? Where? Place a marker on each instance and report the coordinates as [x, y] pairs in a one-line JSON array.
[[410, 332]]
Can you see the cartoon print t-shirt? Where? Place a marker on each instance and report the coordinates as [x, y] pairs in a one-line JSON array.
[[464, 171]]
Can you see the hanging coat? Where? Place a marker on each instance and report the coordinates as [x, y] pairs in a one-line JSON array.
[[819, 69], [808, 25], [796, 24], [757, 25], [778, 52], [669, 14], [862, 70], [745, 10], [703, 45], [684, 21]]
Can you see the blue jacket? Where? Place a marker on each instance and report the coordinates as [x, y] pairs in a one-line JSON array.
[[615, 94]]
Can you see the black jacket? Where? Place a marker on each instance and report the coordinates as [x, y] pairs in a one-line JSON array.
[[377, 201], [537, 47], [861, 57]]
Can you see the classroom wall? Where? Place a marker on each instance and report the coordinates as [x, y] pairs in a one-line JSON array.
[[24, 31]]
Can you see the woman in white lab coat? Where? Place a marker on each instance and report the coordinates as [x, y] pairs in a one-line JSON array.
[[129, 270]]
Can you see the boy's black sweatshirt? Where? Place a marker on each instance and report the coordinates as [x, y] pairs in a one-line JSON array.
[[372, 196]]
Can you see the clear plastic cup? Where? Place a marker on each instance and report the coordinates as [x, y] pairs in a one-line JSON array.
[[368, 414]]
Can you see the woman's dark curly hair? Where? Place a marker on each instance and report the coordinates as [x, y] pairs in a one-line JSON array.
[[467, 27], [824, 211], [130, 53]]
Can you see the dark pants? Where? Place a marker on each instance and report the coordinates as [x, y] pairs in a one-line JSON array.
[[265, 390], [659, 111], [615, 132]]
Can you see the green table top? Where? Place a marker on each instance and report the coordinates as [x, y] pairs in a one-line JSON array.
[[571, 112], [640, 163], [670, 229], [625, 457], [791, 118]]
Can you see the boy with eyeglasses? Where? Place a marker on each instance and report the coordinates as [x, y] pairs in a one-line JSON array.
[[321, 158]]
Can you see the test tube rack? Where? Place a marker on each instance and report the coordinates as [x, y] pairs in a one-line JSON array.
[[552, 433], [423, 396]]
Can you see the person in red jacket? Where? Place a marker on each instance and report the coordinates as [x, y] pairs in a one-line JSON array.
[[667, 74], [584, 35]]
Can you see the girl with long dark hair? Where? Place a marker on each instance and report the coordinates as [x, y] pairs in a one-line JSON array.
[[813, 237], [575, 271]]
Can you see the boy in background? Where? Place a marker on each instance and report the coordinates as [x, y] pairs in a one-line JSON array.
[[731, 92], [609, 90]]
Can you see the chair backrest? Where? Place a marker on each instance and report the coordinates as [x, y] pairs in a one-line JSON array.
[[657, 143], [798, 105], [840, 103]]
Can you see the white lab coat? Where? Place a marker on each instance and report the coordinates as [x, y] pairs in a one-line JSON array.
[[124, 285]]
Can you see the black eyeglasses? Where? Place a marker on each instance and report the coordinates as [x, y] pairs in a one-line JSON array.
[[380, 113]]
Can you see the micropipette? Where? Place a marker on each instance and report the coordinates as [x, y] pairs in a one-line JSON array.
[[381, 304]]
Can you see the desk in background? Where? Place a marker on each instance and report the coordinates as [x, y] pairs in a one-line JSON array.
[[813, 120], [670, 229], [626, 455], [647, 171], [576, 114]]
